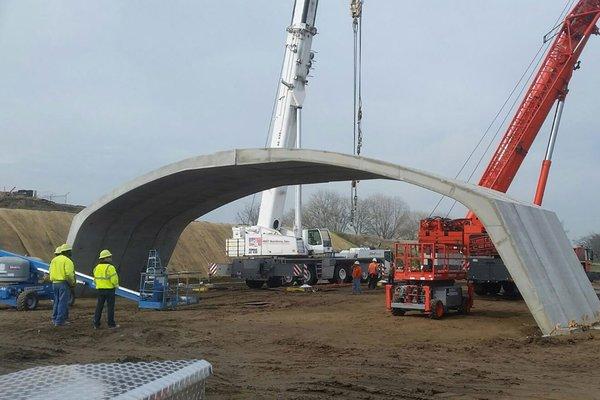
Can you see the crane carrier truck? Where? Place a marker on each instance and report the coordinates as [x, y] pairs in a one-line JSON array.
[[268, 253]]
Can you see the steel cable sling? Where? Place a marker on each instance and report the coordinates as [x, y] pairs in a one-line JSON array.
[[356, 12]]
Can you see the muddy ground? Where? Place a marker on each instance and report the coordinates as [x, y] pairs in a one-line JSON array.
[[278, 345]]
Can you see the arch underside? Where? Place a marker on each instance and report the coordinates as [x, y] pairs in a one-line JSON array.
[[152, 211]]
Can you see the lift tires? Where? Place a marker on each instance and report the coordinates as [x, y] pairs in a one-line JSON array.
[[398, 312], [27, 300], [254, 284], [437, 310]]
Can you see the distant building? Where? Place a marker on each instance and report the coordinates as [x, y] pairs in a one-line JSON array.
[[25, 193]]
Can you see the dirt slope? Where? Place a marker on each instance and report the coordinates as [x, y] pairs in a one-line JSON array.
[[38, 233]]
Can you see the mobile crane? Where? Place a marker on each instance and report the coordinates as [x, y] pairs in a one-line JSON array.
[[268, 252], [486, 270]]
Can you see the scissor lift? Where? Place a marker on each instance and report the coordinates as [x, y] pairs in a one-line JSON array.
[[425, 278]]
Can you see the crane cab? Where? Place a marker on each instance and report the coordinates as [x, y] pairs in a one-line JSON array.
[[317, 241]]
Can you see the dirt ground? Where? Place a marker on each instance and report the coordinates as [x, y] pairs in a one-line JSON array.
[[278, 345]]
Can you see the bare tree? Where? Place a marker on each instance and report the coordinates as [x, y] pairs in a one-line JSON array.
[[388, 216], [248, 215], [361, 216], [591, 241], [327, 209], [410, 230]]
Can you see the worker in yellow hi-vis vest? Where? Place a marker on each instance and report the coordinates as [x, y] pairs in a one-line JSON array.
[[106, 281], [62, 275]]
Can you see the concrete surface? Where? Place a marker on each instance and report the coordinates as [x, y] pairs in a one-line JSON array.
[[152, 211]]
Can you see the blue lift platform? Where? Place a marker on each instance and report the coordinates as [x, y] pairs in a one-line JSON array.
[[159, 289], [82, 279]]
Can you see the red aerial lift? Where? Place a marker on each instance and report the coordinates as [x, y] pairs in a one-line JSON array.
[[486, 271], [425, 276]]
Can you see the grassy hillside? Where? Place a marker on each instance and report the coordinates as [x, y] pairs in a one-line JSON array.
[[38, 233]]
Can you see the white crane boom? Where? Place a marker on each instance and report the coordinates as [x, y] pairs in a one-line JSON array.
[[290, 97]]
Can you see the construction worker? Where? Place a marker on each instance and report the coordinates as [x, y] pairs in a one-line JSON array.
[[356, 277], [62, 276], [106, 281], [373, 273]]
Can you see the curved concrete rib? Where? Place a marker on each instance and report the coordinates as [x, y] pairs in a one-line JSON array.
[[151, 212]]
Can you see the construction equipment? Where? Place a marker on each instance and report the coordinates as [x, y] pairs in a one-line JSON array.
[[160, 290], [425, 276], [22, 285], [549, 86], [37, 269], [268, 253]]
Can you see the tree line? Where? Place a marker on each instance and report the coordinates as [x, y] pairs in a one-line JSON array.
[[383, 216], [591, 241]]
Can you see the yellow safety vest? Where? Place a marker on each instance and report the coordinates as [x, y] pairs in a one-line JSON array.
[[105, 276], [62, 269]]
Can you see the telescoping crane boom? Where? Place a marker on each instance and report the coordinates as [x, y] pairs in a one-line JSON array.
[[549, 86], [268, 237], [269, 253], [285, 122]]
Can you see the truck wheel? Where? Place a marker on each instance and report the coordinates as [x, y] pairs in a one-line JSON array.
[[310, 275], [287, 280], [274, 281], [480, 289], [254, 284], [27, 300], [493, 288], [364, 278], [397, 312], [510, 289], [341, 274], [437, 311]]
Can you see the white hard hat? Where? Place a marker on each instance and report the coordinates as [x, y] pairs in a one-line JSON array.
[[356, 263], [375, 260]]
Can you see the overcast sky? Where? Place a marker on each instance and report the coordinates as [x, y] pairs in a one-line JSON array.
[[95, 93]]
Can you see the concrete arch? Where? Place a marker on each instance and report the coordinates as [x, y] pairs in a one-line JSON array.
[[152, 211]]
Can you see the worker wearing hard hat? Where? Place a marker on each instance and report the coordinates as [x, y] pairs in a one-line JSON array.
[[373, 273], [356, 277], [62, 275], [106, 281]]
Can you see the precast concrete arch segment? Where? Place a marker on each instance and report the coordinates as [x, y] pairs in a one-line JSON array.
[[152, 211]]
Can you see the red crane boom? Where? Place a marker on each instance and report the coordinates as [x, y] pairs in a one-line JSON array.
[[550, 85]]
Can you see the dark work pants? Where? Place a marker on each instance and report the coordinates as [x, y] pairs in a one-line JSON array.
[[60, 309], [108, 296], [372, 281]]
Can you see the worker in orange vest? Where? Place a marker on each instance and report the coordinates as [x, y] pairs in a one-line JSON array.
[[356, 276], [373, 273]]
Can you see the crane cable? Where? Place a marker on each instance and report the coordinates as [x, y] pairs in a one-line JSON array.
[[544, 46], [356, 12]]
